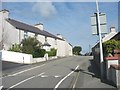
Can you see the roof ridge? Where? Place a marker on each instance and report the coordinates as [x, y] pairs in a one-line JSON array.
[[23, 23], [30, 28]]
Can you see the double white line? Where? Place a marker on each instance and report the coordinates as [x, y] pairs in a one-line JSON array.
[[65, 78]]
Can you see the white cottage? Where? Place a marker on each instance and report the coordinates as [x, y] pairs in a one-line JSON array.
[[13, 31]]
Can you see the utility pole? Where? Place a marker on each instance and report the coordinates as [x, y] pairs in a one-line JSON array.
[[100, 37]]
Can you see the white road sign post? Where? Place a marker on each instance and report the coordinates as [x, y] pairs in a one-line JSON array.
[[100, 37], [98, 21]]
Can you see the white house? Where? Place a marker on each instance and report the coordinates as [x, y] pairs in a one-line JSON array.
[[14, 31]]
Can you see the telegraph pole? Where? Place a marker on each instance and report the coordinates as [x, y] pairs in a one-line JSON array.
[[100, 37]]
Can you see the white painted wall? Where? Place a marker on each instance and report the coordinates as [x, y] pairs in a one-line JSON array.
[[51, 41], [115, 76], [15, 57], [36, 60], [60, 48], [108, 63], [10, 35], [41, 38]]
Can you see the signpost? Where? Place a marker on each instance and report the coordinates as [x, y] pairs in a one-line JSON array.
[[98, 21]]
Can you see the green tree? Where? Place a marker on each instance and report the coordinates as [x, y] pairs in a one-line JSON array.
[[110, 45], [31, 46], [77, 50], [15, 47]]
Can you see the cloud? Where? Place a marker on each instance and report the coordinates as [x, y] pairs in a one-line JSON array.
[[45, 9]]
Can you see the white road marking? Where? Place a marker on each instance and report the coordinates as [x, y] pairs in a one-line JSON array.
[[64, 78], [57, 76], [24, 71], [24, 81], [1, 87], [44, 76], [75, 81]]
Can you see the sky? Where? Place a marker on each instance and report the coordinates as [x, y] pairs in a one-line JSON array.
[[70, 19]]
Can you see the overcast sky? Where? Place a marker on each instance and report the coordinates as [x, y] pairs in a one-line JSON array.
[[70, 19]]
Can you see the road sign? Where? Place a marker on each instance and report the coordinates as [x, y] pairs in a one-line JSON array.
[[103, 23]]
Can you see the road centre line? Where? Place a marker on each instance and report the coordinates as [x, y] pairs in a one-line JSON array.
[[65, 78], [73, 87], [24, 81], [25, 70]]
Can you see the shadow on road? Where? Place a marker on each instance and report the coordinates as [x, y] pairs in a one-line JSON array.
[[93, 68], [10, 65]]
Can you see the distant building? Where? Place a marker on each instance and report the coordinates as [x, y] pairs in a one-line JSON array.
[[13, 31]]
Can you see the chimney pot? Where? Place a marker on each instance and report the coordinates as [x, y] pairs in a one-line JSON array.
[[39, 26]]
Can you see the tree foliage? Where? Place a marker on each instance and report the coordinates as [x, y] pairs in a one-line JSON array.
[[110, 45], [15, 47], [77, 50], [30, 45], [52, 52]]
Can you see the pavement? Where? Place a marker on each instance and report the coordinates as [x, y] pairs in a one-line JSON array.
[[70, 73], [89, 77]]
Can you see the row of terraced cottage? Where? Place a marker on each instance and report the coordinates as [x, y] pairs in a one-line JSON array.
[[13, 31]]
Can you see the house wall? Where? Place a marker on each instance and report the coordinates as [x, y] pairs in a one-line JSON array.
[[60, 48], [41, 38], [0, 31], [10, 35], [51, 41], [68, 49]]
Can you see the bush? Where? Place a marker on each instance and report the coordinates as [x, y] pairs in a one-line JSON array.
[[39, 53], [15, 48], [30, 45], [110, 45], [52, 52]]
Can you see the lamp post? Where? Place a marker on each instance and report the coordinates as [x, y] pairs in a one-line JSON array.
[[100, 37]]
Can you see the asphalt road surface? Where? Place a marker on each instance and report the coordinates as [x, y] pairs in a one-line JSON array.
[[62, 73]]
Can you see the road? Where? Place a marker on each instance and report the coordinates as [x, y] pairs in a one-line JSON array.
[[62, 73]]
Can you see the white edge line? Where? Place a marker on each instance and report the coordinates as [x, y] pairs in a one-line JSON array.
[[1, 87], [75, 81], [24, 71], [24, 81], [64, 78]]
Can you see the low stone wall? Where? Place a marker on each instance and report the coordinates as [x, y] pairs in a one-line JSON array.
[[115, 75], [15, 57], [110, 61], [36, 60], [22, 58]]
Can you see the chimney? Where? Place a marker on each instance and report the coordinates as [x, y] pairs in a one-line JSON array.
[[59, 36], [4, 13], [39, 26], [112, 29]]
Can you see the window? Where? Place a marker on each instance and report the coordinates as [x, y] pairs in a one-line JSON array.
[[55, 41], [25, 34], [36, 35], [45, 38]]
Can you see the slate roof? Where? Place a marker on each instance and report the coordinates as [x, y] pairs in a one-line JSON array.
[[29, 28]]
